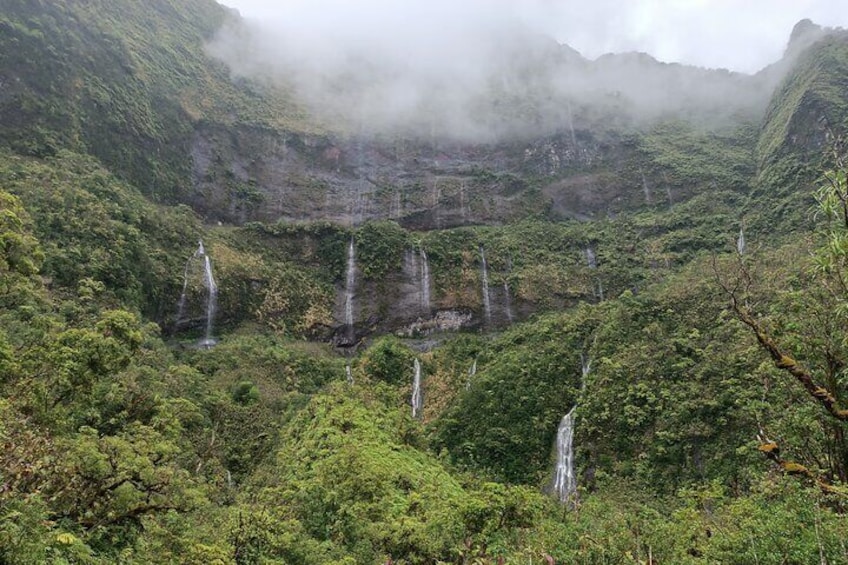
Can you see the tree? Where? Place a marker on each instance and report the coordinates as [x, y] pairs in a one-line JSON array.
[[823, 381]]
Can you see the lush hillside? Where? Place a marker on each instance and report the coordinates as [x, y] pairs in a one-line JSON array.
[[124, 81], [175, 389]]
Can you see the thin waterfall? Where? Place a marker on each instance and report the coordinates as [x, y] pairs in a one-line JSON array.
[[740, 242], [487, 305], [645, 188], [571, 126], [463, 205], [211, 298], [507, 301], [565, 481], [417, 398], [585, 369], [348, 374], [211, 292], [425, 282], [591, 260], [471, 372], [350, 285]]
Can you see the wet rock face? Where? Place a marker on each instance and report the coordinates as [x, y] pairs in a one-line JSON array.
[[406, 302], [244, 174]]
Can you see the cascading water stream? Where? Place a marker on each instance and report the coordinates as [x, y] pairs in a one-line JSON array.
[[591, 260], [417, 397], [487, 305], [646, 189], [571, 126], [740, 242], [471, 373], [507, 301], [211, 293], [350, 284], [565, 482], [211, 299], [585, 369], [425, 282], [348, 375]]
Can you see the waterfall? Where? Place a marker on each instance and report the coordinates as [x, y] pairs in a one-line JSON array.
[[585, 369], [565, 482], [740, 242], [645, 188], [591, 260], [348, 375], [471, 372], [463, 206], [487, 305], [211, 292], [397, 205], [425, 282], [350, 284], [417, 398], [571, 127], [507, 301], [211, 297]]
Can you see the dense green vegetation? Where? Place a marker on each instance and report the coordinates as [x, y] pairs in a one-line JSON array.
[[710, 426]]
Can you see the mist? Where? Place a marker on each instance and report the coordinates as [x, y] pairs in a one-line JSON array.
[[484, 70]]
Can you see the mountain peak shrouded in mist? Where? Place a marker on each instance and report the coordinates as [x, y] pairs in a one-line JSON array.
[[454, 74]]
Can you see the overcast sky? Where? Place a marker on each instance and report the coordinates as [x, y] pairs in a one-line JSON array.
[[742, 35]]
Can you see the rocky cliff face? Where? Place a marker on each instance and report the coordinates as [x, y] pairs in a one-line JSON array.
[[630, 135], [245, 174]]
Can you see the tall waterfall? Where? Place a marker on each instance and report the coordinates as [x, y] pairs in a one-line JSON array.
[[417, 397], [565, 481], [350, 285], [425, 282], [487, 305], [211, 298], [211, 292], [348, 374], [740, 242]]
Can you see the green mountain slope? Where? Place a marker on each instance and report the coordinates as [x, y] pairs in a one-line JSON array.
[[124, 81], [589, 268]]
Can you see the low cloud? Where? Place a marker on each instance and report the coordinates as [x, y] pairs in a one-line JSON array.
[[488, 68]]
